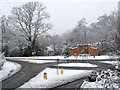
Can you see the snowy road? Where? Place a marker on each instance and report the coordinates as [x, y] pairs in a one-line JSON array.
[[27, 72], [76, 84], [30, 70]]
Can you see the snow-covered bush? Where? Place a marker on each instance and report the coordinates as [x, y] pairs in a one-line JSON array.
[[2, 60], [107, 79]]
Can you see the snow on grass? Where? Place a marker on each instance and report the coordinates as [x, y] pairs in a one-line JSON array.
[[71, 57], [8, 69], [87, 84], [34, 61], [40, 61], [53, 79], [110, 62], [78, 65], [107, 79]]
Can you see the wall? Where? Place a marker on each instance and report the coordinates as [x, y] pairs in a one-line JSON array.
[[93, 52], [78, 50]]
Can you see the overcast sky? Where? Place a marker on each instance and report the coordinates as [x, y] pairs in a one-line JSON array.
[[66, 13]]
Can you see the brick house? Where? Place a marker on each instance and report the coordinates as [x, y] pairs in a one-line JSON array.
[[84, 49]]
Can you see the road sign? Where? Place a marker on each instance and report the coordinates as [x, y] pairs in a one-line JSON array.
[[61, 71], [65, 56], [45, 76], [57, 66]]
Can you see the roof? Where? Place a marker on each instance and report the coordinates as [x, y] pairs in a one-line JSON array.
[[49, 49]]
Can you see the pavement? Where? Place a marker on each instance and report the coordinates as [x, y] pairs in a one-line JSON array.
[[30, 70]]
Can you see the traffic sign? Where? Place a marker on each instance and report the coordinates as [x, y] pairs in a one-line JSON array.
[[45, 76], [61, 71], [65, 56]]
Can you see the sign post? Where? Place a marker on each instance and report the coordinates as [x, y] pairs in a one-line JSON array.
[[57, 66], [76, 57], [65, 56]]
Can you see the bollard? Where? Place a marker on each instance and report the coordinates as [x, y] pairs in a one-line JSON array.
[[32, 59], [61, 71], [45, 76], [25, 58]]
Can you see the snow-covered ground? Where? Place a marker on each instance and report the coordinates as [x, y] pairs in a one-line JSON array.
[[8, 69], [77, 65], [62, 57], [54, 79], [2, 60], [107, 79], [48, 59], [33, 61], [40, 61], [110, 62]]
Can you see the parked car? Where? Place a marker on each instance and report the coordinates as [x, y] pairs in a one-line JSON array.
[[92, 77]]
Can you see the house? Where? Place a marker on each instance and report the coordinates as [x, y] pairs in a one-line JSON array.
[[49, 50], [83, 49]]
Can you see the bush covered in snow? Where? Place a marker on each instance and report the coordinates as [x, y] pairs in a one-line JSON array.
[[107, 79], [2, 60]]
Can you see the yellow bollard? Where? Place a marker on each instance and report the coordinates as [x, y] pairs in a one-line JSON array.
[[45, 76], [25, 58], [61, 71], [32, 59]]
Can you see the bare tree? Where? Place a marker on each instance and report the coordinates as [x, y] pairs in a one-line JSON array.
[[29, 21]]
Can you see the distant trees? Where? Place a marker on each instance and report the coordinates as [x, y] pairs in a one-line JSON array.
[[56, 42], [103, 33]]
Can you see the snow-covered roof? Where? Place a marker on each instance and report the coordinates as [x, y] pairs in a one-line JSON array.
[[74, 48], [94, 48], [83, 44], [49, 49]]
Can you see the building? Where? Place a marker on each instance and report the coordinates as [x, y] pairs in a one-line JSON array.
[[49, 50], [84, 49]]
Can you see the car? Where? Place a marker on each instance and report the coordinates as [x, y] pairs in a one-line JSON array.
[[92, 77]]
